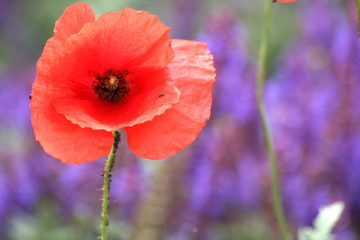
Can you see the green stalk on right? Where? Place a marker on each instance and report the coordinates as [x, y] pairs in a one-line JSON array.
[[262, 67], [358, 13]]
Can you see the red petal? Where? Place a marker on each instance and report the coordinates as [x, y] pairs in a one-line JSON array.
[[80, 104], [73, 19], [129, 40], [194, 74], [287, 1], [59, 137], [71, 22]]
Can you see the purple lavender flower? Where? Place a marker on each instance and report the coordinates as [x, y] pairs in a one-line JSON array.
[[129, 185], [185, 16], [248, 182], [223, 176], [235, 165], [5, 199], [315, 116], [312, 101], [234, 88], [5, 6]]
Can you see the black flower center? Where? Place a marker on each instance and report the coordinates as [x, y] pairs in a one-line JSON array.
[[112, 85]]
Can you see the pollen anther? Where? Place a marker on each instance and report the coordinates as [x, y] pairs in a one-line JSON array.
[[112, 85]]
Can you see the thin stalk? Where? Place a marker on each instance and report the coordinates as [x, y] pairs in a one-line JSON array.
[[106, 188], [358, 13], [275, 182]]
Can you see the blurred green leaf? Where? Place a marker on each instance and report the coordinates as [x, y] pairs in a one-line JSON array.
[[103, 6], [47, 224]]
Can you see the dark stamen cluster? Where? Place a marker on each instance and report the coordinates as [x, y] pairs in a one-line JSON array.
[[112, 85]]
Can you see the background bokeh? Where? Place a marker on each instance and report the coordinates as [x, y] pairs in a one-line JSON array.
[[218, 188]]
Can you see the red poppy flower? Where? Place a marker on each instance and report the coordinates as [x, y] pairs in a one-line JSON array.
[[119, 71], [287, 1]]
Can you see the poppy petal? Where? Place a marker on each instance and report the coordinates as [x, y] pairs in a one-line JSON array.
[[59, 137], [100, 46], [71, 22], [81, 105], [128, 39], [194, 75], [73, 19]]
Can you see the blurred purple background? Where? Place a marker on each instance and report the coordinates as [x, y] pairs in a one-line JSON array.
[[219, 187]]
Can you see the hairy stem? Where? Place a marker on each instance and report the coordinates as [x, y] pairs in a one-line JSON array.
[[275, 182], [106, 188]]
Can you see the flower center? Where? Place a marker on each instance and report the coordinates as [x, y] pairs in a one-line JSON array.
[[112, 85]]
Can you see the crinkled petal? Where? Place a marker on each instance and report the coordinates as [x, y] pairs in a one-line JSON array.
[[135, 41], [71, 22], [129, 38], [194, 75], [73, 19], [80, 104], [59, 137]]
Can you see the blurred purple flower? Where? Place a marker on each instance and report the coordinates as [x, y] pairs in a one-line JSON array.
[[234, 88], [248, 182], [185, 15], [5, 6], [223, 176], [202, 170], [313, 102], [14, 96], [314, 111], [128, 185], [5, 199], [315, 28]]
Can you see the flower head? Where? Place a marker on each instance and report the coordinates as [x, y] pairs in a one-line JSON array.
[[285, 1], [119, 71]]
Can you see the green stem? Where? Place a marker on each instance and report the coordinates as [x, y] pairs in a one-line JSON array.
[[106, 188], [275, 182], [358, 13]]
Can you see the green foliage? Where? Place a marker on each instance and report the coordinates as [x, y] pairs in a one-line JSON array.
[[47, 224], [103, 6], [323, 224]]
